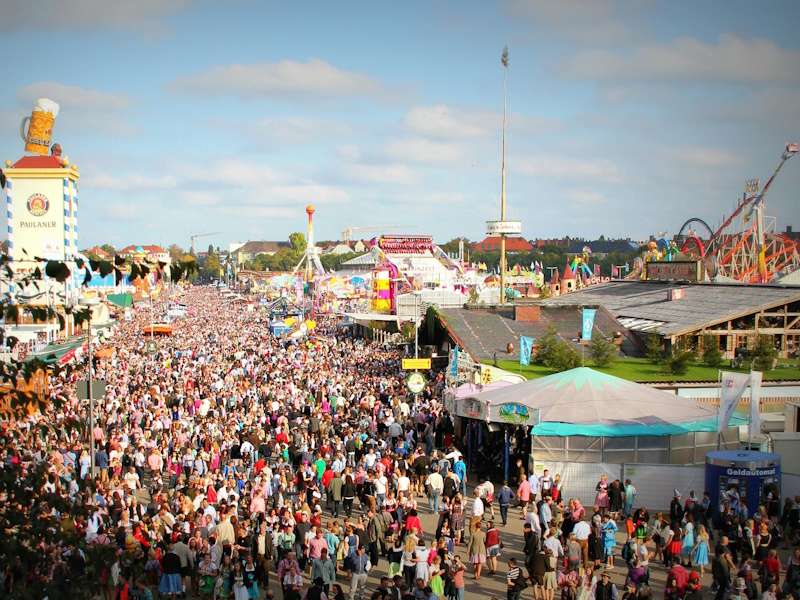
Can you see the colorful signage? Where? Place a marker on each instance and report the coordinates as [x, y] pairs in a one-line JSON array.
[[409, 244], [415, 383], [674, 270], [409, 364]]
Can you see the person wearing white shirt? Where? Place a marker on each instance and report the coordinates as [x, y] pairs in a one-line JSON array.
[[477, 510], [582, 529]]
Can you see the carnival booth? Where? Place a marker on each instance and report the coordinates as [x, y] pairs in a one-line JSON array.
[[591, 423]]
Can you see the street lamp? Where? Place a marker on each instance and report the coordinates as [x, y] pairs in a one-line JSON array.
[[416, 294], [90, 303]]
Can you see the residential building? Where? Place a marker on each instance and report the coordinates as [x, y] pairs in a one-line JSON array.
[[251, 249], [513, 244], [602, 248], [152, 253], [98, 252]]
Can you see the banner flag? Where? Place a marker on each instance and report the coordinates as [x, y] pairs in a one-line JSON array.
[[588, 324], [525, 348], [614, 271], [597, 270], [755, 401], [731, 389], [454, 364]]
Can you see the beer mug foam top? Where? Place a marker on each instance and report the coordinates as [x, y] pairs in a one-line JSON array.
[[40, 130]]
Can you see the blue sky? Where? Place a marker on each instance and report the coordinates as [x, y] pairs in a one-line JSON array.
[[625, 118]]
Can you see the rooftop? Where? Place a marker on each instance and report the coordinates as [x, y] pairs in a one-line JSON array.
[[643, 305]]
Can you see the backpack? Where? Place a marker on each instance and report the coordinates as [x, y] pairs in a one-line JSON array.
[[628, 552]]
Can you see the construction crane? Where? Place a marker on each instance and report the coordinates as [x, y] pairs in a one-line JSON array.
[[348, 230], [199, 235]]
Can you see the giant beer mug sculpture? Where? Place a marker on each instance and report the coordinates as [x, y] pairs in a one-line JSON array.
[[40, 128]]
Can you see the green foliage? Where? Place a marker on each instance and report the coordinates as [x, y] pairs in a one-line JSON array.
[[297, 241], [211, 267], [602, 351], [109, 248], [764, 353], [711, 355], [474, 296], [37, 525], [654, 350], [408, 331], [556, 353], [678, 361]]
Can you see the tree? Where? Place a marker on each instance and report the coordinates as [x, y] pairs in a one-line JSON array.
[[297, 241], [677, 362], [602, 351], [711, 355], [764, 354], [211, 267], [110, 249], [176, 253], [654, 349], [555, 353]]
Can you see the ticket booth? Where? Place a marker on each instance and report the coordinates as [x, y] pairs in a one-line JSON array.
[[743, 476]]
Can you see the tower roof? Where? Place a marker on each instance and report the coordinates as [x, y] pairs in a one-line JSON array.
[[568, 274]]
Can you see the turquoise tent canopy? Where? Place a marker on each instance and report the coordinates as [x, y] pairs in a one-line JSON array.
[[586, 402]]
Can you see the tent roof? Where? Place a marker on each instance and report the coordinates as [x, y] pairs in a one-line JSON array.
[[586, 402], [121, 300]]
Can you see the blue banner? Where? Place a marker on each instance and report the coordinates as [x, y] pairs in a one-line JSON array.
[[588, 324], [525, 348], [454, 364]]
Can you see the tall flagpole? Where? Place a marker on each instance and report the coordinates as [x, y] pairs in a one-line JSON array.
[[504, 60]]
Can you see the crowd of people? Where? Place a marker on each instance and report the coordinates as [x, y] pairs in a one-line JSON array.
[[231, 464]]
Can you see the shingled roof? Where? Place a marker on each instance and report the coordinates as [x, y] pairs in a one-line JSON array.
[[644, 306]]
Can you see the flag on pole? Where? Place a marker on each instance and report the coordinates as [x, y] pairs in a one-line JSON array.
[[588, 324], [731, 389], [614, 271], [626, 267], [525, 348], [755, 401]]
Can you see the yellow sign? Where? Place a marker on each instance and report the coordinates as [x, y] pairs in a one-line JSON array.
[[409, 364]]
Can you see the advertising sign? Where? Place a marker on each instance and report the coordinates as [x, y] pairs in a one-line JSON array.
[[501, 227], [415, 383], [513, 413], [674, 270]]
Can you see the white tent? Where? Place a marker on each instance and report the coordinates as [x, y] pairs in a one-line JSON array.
[[586, 402]]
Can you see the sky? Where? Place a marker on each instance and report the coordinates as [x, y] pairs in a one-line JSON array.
[[625, 117]]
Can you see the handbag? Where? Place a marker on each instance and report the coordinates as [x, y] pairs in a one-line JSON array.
[[520, 583]]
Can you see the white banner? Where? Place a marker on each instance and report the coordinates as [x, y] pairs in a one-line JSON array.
[[755, 402], [731, 389]]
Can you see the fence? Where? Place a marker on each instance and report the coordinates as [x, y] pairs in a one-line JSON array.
[[655, 484]]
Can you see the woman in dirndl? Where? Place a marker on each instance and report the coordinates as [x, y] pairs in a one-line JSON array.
[[601, 498]]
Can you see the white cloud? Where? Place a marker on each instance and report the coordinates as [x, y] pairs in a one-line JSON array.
[[393, 173], [421, 150], [73, 96], [286, 80], [703, 156], [132, 181], [293, 131], [582, 198], [587, 21], [121, 211], [562, 167], [349, 152], [731, 59], [443, 121], [55, 15]]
